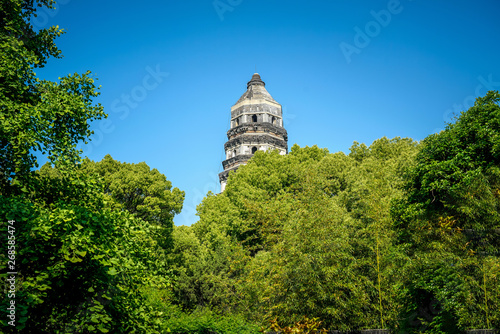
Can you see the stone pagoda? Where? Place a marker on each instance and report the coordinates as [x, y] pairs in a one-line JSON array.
[[256, 124]]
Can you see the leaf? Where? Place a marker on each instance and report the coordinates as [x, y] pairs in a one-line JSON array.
[[81, 253], [112, 271], [102, 329]]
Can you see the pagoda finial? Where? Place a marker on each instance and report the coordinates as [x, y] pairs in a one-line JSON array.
[[256, 80]]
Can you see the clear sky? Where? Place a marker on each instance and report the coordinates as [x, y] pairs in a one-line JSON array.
[[343, 71]]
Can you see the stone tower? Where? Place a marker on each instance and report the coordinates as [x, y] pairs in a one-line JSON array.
[[256, 124]]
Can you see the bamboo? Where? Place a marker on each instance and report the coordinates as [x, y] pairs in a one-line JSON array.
[[485, 299], [379, 288]]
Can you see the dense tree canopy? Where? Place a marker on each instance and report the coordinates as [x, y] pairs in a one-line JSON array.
[[82, 268], [141, 191], [449, 218], [394, 235], [297, 236], [86, 259]]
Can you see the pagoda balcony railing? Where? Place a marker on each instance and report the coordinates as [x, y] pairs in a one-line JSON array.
[[241, 158]]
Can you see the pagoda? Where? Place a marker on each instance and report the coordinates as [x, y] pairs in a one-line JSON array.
[[256, 124]]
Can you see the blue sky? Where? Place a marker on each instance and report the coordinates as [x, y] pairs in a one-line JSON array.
[[343, 71]]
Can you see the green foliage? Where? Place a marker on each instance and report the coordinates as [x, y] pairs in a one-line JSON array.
[[205, 271], [37, 115], [448, 220], [201, 322], [304, 326], [81, 268], [375, 183], [295, 238], [90, 250], [457, 173], [479, 292], [16, 28], [142, 191], [309, 270]]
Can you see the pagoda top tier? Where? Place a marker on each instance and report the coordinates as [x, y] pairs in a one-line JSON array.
[[256, 90]]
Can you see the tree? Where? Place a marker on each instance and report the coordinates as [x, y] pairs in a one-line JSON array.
[[82, 268], [207, 269], [457, 173], [309, 223], [83, 263], [37, 115], [142, 191], [89, 264], [452, 195], [309, 270], [374, 182]]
